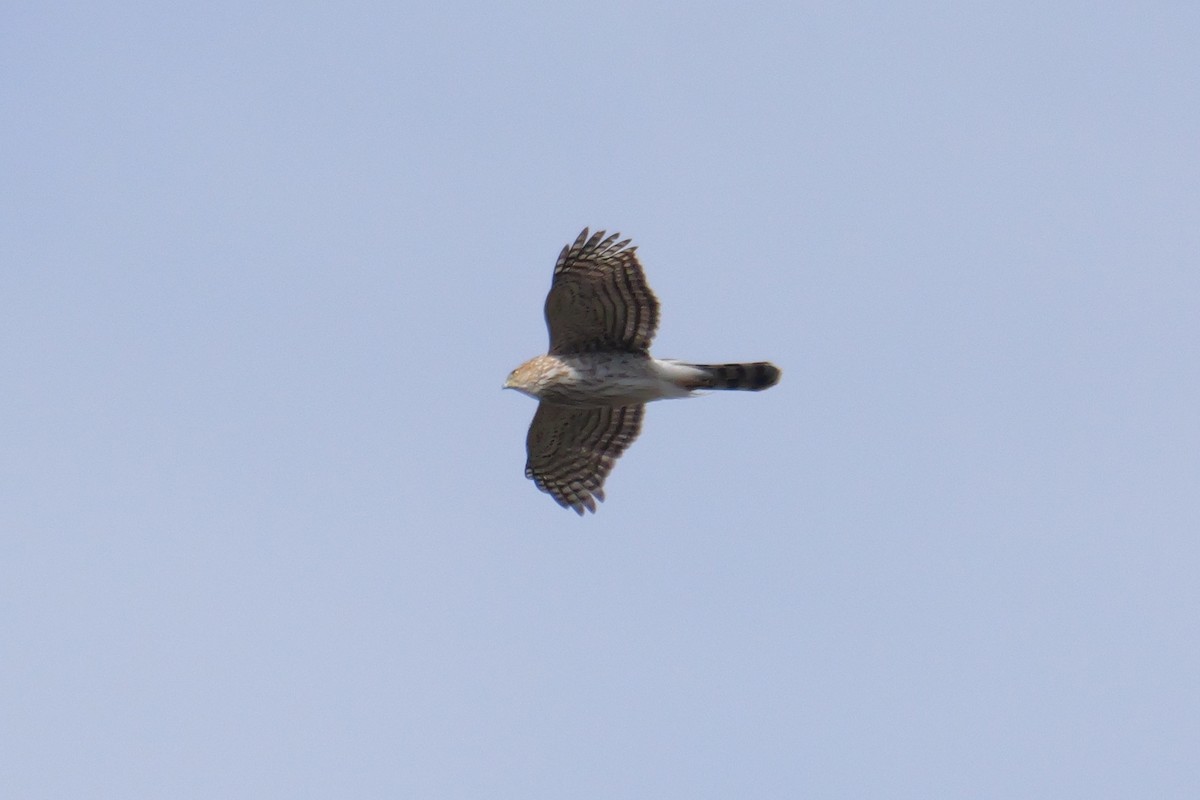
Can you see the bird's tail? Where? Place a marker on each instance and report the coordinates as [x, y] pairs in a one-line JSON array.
[[752, 377]]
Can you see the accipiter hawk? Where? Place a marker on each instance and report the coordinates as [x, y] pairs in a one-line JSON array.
[[594, 382]]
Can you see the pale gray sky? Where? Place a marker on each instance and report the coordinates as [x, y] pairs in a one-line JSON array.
[[265, 529]]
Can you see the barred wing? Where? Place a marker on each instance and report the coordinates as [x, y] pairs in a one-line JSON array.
[[599, 299], [572, 450]]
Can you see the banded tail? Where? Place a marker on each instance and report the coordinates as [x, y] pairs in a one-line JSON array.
[[752, 377]]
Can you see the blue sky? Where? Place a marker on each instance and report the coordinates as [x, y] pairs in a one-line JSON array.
[[265, 526]]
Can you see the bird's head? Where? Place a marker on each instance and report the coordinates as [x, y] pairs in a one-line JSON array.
[[529, 378]]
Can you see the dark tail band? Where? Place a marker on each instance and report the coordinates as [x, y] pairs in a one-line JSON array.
[[750, 377]]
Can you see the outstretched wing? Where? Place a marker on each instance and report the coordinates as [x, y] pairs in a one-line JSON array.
[[599, 299], [572, 450]]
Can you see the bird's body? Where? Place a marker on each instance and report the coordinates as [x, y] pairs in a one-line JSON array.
[[588, 380], [594, 382]]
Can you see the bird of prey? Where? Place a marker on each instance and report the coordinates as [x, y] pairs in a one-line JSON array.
[[593, 384]]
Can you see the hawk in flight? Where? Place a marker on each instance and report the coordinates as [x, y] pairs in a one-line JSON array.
[[593, 385]]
